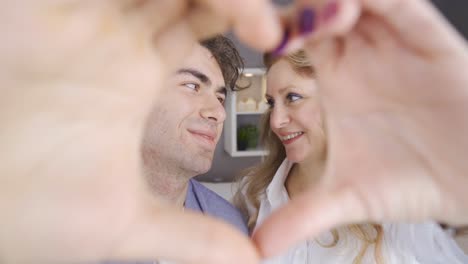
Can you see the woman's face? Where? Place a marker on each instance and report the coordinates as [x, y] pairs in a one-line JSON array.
[[296, 115]]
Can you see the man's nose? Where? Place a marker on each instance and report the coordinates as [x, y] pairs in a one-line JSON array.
[[213, 109]]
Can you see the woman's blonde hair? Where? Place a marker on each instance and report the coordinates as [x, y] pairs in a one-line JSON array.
[[254, 181]]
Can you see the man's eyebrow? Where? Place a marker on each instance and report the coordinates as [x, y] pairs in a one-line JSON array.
[[197, 74]]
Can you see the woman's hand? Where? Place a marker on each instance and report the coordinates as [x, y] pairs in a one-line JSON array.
[[392, 75]]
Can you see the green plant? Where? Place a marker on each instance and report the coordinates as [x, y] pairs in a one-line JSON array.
[[247, 137]]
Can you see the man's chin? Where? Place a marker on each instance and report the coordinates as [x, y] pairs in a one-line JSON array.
[[202, 163]]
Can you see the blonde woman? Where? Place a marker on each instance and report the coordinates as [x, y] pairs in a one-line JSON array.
[[294, 133]]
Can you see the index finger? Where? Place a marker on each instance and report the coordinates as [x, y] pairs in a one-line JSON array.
[[411, 22], [255, 22]]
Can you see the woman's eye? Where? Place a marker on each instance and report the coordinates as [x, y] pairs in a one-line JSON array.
[[293, 97], [192, 86], [270, 102]]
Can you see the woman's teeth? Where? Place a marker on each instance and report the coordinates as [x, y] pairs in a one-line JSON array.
[[291, 136]]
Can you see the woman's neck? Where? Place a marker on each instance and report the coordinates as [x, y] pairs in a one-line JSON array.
[[305, 174]]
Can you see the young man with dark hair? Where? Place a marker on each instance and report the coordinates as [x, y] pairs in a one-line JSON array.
[[185, 126]]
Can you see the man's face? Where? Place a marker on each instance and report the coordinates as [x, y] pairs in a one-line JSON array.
[[187, 120]]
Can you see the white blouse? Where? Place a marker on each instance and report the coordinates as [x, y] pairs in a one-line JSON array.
[[402, 243]]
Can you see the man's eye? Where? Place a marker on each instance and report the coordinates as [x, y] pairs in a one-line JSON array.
[[292, 97], [192, 86], [221, 100]]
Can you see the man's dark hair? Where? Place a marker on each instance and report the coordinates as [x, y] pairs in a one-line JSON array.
[[228, 58]]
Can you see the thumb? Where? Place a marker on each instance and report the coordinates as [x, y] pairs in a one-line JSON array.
[[307, 216], [185, 237]]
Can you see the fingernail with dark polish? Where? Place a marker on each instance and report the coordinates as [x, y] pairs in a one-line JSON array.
[[307, 21], [330, 10], [286, 35]]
